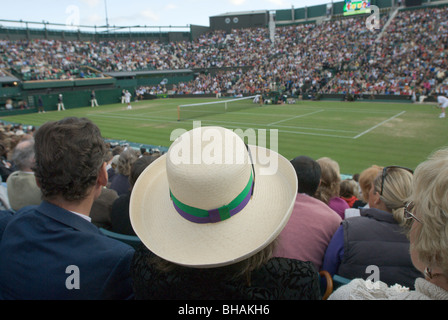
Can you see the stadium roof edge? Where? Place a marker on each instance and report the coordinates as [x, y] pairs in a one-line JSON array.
[[9, 79], [240, 13], [136, 73]]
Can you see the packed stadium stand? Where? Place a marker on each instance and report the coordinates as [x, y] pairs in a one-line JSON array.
[[343, 231], [312, 52]]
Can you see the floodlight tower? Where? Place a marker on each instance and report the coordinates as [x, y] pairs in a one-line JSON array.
[[107, 18]]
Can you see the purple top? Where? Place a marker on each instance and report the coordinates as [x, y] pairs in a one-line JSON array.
[[335, 252], [339, 205]]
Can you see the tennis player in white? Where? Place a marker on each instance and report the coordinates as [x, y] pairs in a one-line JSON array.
[[442, 102]]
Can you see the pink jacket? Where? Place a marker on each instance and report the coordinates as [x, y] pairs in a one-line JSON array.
[[308, 231]]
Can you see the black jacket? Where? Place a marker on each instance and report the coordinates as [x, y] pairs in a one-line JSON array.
[[279, 279], [376, 239]]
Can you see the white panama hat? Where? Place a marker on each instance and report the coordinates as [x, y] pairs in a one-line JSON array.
[[193, 210]]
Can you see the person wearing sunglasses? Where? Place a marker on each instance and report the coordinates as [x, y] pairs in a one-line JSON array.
[[378, 236], [426, 213]]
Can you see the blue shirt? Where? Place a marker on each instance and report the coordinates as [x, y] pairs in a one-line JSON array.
[[335, 252]]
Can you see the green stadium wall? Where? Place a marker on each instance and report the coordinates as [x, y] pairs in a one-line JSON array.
[[78, 99], [72, 99], [77, 92]]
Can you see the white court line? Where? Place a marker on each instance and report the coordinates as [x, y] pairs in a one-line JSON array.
[[229, 124], [135, 117], [246, 124], [378, 125], [292, 132], [238, 125], [264, 126], [114, 112], [302, 115]]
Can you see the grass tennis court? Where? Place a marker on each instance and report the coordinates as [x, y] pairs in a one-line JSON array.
[[356, 134]]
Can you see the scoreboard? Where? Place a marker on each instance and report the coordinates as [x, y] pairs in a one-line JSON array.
[[352, 7]]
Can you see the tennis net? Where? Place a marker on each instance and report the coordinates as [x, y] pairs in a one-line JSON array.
[[198, 110]]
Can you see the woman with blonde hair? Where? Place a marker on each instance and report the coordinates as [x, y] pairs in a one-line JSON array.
[[426, 214], [329, 188], [378, 236], [365, 184], [365, 181]]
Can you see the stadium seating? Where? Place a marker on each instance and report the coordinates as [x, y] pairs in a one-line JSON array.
[[326, 284], [339, 281], [338, 56]]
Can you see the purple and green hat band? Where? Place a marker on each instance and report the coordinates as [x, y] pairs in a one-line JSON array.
[[197, 215]]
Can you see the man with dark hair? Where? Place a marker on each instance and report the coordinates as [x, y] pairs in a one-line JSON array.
[[53, 251], [308, 174], [312, 223]]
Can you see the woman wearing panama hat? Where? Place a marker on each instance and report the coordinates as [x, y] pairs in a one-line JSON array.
[[209, 225]]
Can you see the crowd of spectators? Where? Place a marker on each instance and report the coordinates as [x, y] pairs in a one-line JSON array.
[[409, 57], [11, 135], [335, 242], [335, 56], [46, 59]]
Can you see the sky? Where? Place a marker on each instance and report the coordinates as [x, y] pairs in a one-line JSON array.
[[151, 13]]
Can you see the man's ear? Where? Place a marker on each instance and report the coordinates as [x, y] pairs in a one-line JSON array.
[[102, 175], [37, 182]]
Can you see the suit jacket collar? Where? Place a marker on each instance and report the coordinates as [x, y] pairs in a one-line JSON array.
[[66, 217]]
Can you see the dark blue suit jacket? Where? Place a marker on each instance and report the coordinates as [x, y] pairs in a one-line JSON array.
[[5, 216], [46, 251]]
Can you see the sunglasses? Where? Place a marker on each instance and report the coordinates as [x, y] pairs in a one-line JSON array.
[[408, 208], [386, 169]]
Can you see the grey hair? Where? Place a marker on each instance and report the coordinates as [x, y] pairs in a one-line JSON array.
[[430, 197], [23, 156]]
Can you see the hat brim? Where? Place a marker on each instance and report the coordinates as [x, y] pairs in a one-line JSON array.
[[167, 234]]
